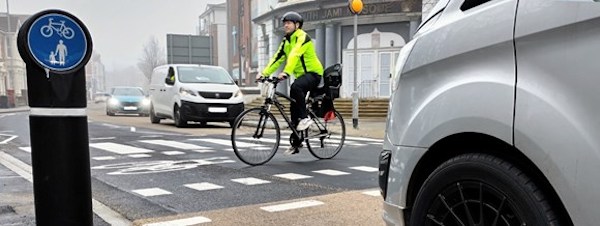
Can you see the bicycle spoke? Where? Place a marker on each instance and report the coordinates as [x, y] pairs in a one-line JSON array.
[[256, 137], [320, 141]]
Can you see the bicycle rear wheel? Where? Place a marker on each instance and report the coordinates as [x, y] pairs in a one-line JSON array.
[[255, 136], [324, 139]]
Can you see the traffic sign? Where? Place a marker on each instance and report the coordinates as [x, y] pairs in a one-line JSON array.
[[57, 42]]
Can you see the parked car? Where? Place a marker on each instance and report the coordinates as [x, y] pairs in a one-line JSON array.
[[127, 100], [189, 92], [100, 97], [494, 117]]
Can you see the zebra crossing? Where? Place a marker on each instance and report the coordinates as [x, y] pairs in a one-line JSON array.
[[107, 157]]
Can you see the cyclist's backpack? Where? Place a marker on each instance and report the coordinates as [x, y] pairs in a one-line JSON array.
[[333, 80]]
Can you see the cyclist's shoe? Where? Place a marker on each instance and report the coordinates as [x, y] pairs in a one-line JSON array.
[[291, 150], [304, 124]]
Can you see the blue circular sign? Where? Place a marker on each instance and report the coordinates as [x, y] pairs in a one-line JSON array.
[[57, 42]]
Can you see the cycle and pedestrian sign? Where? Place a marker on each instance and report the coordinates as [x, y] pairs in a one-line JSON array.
[[57, 42]]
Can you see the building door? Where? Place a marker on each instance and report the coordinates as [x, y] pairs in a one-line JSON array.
[[366, 76], [373, 75], [386, 64]]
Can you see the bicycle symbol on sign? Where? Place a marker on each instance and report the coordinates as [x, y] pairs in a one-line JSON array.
[[60, 28]]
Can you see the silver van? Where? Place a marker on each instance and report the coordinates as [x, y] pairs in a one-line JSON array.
[[190, 92], [495, 116]]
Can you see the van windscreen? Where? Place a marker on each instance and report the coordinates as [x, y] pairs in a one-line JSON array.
[[203, 75]]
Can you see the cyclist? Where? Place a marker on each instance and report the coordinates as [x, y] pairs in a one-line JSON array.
[[298, 51]]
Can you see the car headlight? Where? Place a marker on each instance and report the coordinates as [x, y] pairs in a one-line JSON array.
[[238, 94], [113, 101], [184, 91], [145, 101], [402, 57]]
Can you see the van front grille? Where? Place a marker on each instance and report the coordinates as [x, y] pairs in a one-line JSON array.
[[215, 95]]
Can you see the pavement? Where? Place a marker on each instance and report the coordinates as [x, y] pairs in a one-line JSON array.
[[16, 189]]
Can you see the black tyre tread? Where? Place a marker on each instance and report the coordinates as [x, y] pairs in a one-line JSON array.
[[513, 172]]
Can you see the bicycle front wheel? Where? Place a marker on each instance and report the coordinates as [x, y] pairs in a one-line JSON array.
[[255, 136], [324, 139]]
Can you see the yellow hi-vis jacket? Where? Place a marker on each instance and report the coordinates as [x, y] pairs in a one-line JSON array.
[[299, 53]]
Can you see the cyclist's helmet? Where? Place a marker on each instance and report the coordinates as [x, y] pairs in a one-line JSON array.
[[294, 17]]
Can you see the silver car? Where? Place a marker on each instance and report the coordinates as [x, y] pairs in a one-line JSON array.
[[495, 116]]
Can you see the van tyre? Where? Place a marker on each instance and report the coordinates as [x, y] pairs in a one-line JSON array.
[[153, 118], [179, 122], [471, 189]]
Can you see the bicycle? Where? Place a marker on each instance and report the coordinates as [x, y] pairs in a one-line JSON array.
[[256, 128], [60, 28]]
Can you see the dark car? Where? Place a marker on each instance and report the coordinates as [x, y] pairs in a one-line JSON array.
[[127, 100]]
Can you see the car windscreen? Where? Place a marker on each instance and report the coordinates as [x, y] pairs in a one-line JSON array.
[[127, 92], [203, 75]]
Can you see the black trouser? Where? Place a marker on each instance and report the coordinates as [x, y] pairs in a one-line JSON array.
[[303, 84]]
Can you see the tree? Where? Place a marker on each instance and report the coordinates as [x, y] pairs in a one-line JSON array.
[[152, 57]]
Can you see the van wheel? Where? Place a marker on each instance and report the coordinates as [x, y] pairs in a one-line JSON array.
[[480, 189], [153, 118], [179, 122]]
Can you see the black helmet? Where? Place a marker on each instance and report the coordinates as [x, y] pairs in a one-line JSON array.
[[294, 17]]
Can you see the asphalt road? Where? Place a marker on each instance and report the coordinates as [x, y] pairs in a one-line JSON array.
[[150, 173]]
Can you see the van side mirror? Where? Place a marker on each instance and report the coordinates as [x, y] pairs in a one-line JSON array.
[[168, 81]]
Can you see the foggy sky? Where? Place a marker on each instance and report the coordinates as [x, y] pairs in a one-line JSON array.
[[120, 28]]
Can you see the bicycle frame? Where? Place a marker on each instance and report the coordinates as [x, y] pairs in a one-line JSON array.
[[272, 99]]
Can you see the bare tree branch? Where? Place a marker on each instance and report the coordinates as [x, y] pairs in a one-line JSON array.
[[153, 55]]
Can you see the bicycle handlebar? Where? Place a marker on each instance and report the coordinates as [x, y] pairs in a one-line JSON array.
[[273, 80]]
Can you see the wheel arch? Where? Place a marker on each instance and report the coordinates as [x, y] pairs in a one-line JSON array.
[[462, 143]]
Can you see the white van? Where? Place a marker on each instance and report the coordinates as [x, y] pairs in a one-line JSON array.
[[190, 92]]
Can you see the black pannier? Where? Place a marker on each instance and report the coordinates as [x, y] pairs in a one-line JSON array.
[[333, 80]]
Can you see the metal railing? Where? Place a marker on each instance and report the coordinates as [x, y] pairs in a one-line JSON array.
[[367, 89]]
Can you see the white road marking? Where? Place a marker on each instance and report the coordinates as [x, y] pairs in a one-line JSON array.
[[111, 125], [331, 172], [203, 151], [174, 144], [107, 214], [103, 158], [11, 137], [173, 152], [103, 138], [120, 148], [365, 168], [358, 138], [132, 129], [25, 149], [140, 156], [292, 176], [291, 206], [204, 186], [227, 142], [151, 136], [374, 193], [182, 222], [147, 192], [250, 181]]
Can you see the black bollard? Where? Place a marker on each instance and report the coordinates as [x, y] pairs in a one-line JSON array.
[[55, 46]]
